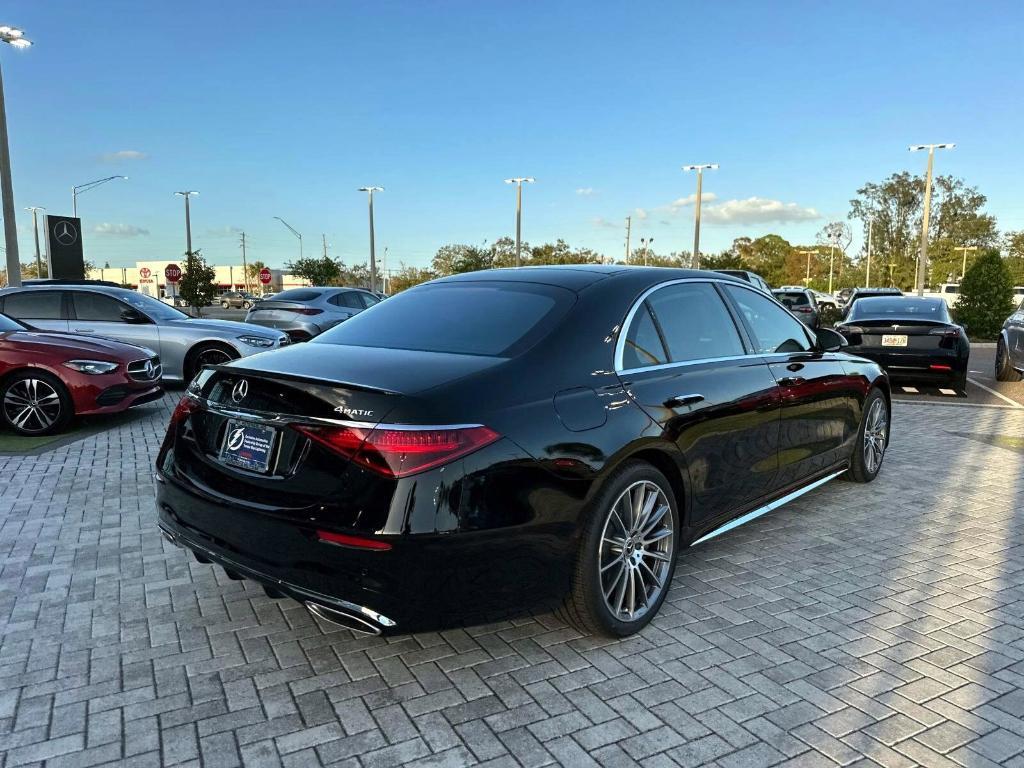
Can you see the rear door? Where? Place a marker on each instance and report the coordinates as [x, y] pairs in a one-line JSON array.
[[40, 309], [820, 400], [1015, 337], [683, 361], [97, 314]]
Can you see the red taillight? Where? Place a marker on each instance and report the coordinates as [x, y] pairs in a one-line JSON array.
[[400, 452], [357, 542], [937, 367], [949, 333], [185, 407], [306, 311], [804, 309]]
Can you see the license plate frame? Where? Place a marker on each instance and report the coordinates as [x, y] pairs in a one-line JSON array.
[[248, 446], [894, 340]]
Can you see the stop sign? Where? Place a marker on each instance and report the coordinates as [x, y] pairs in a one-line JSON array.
[[265, 276], [173, 273], [145, 272]]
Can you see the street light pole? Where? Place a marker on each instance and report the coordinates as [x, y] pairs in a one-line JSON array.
[[35, 231], [807, 279], [965, 249], [188, 221], [16, 38], [922, 263], [629, 227], [867, 275], [294, 232], [645, 245], [518, 181], [81, 188], [700, 168], [373, 252]]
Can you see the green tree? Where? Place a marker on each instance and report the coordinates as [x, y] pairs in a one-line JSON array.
[[318, 270], [252, 274], [457, 258], [197, 287], [406, 277], [1013, 246], [986, 296]]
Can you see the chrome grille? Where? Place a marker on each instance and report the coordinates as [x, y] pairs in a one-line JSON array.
[[145, 370]]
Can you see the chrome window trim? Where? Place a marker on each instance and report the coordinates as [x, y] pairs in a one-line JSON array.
[[700, 361], [620, 342]]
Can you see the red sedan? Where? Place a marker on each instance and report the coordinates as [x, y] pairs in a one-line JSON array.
[[47, 378]]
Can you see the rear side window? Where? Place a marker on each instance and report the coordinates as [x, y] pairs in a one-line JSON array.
[[348, 299], [474, 318], [297, 294], [33, 305], [793, 298], [95, 306], [368, 299], [643, 345], [773, 328], [694, 322]]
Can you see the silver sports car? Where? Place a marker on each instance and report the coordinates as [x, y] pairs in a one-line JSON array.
[[185, 344]]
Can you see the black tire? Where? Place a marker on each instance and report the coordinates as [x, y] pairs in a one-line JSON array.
[[224, 305], [586, 606], [1004, 371], [49, 415], [206, 354], [862, 468]]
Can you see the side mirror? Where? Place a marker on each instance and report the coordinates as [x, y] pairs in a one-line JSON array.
[[830, 341], [132, 316]]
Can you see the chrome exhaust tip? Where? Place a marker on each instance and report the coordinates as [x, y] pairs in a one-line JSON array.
[[344, 619]]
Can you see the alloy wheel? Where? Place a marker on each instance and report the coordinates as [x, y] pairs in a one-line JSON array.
[[876, 434], [32, 405], [212, 356], [636, 551]]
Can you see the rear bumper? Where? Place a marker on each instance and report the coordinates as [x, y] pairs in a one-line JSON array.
[[296, 331], [932, 364]]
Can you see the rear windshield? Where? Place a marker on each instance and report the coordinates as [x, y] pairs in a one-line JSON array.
[[792, 298], [473, 318], [899, 306], [297, 294]]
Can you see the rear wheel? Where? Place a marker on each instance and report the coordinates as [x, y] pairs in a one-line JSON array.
[[224, 305], [1004, 370], [872, 439], [627, 554], [206, 354], [35, 403]]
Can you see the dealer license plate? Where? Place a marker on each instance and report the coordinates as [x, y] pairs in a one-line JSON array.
[[248, 446]]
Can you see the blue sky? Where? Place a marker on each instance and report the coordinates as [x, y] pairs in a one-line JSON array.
[[284, 109]]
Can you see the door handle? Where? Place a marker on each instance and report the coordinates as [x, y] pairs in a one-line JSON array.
[[679, 400], [791, 381], [84, 330]]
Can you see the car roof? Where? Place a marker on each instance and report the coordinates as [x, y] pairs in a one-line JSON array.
[[576, 277], [107, 289]]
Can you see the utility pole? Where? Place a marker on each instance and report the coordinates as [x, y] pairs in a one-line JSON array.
[[245, 265], [867, 275], [831, 263], [323, 237], [35, 231], [519, 181], [629, 226], [373, 254], [922, 264], [384, 287], [16, 38], [188, 221], [807, 279], [963, 270], [700, 168]]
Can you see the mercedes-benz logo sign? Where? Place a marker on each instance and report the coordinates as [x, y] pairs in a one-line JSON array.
[[236, 438], [65, 232], [149, 370], [240, 391]]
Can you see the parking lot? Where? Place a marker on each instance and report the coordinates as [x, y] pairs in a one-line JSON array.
[[878, 624]]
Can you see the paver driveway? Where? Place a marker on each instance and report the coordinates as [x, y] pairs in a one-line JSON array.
[[883, 622]]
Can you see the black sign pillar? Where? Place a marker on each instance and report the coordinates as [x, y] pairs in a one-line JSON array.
[[64, 241]]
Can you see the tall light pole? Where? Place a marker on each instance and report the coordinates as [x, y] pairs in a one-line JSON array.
[[15, 37], [923, 259], [82, 188], [700, 168], [965, 249], [294, 232], [807, 279], [867, 274], [645, 245], [519, 181], [629, 228], [373, 253], [35, 231], [188, 221]]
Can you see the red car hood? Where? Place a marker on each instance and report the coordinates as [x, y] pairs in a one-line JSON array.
[[46, 342]]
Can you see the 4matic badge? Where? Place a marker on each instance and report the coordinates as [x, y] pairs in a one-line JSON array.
[[344, 410]]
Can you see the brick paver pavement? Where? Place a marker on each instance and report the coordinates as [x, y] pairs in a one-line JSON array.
[[859, 625]]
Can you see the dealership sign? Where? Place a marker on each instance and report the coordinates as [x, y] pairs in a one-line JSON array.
[[64, 240]]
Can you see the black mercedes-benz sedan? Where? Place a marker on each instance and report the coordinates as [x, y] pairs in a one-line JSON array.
[[494, 437], [911, 337]]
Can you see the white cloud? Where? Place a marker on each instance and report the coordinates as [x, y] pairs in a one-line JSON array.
[[689, 200], [640, 213], [228, 231], [107, 229], [585, 191], [757, 210], [122, 155]]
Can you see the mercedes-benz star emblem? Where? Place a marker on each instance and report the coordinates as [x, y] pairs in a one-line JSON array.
[[65, 232], [148, 369], [236, 438], [240, 391]]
